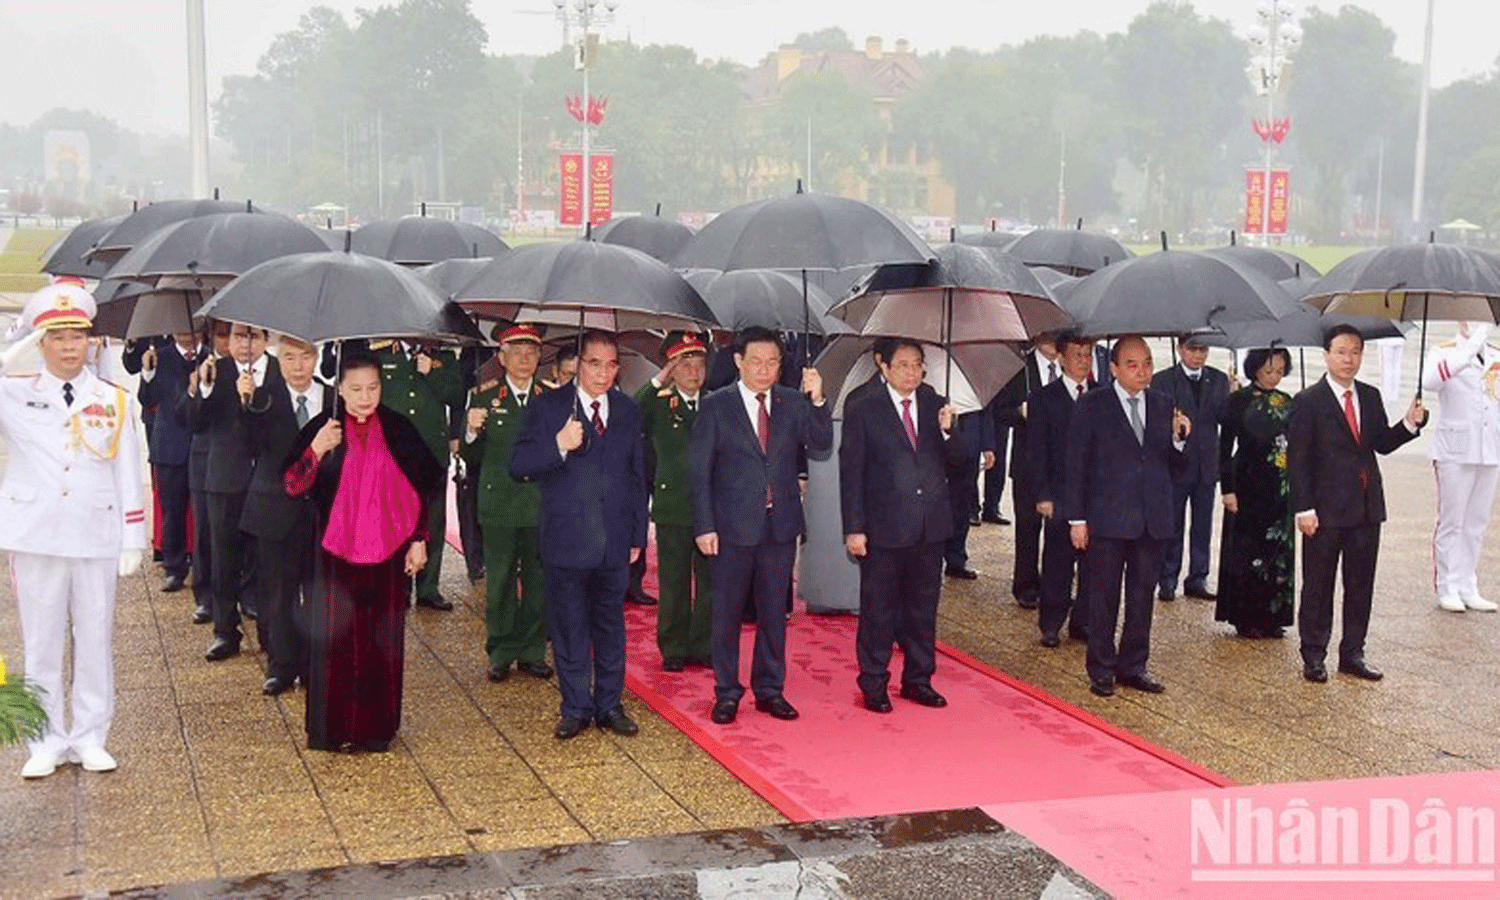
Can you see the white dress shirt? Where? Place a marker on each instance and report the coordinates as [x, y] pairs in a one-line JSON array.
[[752, 406], [896, 399]]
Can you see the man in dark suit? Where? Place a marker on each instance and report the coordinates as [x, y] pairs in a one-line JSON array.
[[1052, 410], [1123, 444], [165, 369], [896, 461], [284, 529], [222, 390], [583, 444], [977, 430], [1041, 369], [1200, 392], [747, 511], [197, 467], [1336, 428]]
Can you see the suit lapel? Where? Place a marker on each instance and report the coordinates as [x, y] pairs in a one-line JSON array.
[[743, 417], [1343, 420]]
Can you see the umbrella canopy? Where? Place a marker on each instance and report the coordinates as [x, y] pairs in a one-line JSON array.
[[336, 238], [967, 295], [609, 287], [769, 298], [1071, 251], [1413, 282], [451, 274], [215, 247], [331, 295], [803, 231], [66, 255], [995, 240], [139, 225], [976, 376], [1172, 292], [1276, 265], [420, 241], [1302, 327], [652, 235]]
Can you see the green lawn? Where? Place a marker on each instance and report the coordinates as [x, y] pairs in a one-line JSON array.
[[1321, 257]]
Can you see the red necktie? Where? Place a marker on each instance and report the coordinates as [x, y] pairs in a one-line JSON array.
[[911, 427], [1349, 414], [1080, 390], [597, 420], [763, 423]]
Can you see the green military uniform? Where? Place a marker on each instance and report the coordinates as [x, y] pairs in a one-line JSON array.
[[424, 399], [515, 624], [683, 623]]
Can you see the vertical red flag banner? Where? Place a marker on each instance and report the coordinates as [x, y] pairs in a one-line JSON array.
[[602, 187], [570, 189], [1281, 195], [1255, 192]]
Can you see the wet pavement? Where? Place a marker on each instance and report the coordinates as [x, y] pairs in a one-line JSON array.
[[215, 784]]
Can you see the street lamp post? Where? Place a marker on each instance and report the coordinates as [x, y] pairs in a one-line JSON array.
[[584, 16], [1280, 36]]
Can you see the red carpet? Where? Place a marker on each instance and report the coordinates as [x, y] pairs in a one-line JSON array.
[[1397, 838]]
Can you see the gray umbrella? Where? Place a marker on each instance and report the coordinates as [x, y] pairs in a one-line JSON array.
[[214, 248], [1274, 264], [1071, 251], [1304, 326], [66, 255], [420, 241], [451, 274], [766, 297], [995, 240], [652, 235], [142, 223]]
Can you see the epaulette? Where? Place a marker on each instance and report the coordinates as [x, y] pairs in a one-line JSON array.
[[664, 392], [550, 385], [487, 386], [22, 374], [1448, 344], [380, 345]]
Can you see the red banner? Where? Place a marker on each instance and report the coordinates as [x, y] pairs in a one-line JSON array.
[[1281, 197], [1255, 196], [1255, 200], [570, 189], [601, 187]]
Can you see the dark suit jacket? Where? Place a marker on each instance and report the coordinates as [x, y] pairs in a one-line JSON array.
[[1122, 488], [593, 508], [1050, 415], [1203, 444], [1007, 405], [730, 474], [271, 424], [892, 494], [220, 415], [1328, 471], [170, 437]]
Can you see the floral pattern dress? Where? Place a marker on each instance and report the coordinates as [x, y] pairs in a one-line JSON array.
[[1256, 549]]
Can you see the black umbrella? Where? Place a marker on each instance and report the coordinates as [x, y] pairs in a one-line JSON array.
[[1072, 251], [331, 295], [451, 274], [652, 235], [66, 255], [139, 225], [1274, 264], [769, 298], [587, 284], [995, 240], [1173, 292], [1304, 326], [420, 241], [212, 249]]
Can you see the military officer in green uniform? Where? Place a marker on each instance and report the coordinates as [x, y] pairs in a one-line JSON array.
[[421, 382], [515, 621], [669, 405]]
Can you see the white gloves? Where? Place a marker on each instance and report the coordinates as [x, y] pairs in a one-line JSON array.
[[1479, 332], [130, 563], [12, 354]]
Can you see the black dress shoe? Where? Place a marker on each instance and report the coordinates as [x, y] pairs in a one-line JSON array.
[[994, 518], [673, 664], [249, 611], [777, 707], [535, 668], [878, 703], [1050, 639], [375, 745], [273, 685], [202, 615], [617, 721], [636, 595], [437, 602], [498, 674], [1142, 682], [221, 649], [1102, 688], [974, 521], [724, 712], [156, 556], [1361, 669], [569, 726], [1028, 602], [924, 695], [1166, 595], [1078, 634], [1199, 592], [1248, 631], [964, 574], [703, 661], [172, 585], [1315, 672], [476, 576]]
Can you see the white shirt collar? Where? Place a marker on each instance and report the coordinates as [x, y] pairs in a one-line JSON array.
[[518, 389], [897, 399], [1191, 373], [1072, 385]]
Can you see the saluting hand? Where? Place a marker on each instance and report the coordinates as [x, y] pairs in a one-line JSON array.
[[328, 437]]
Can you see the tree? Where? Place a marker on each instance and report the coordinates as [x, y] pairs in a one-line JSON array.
[[833, 38], [838, 119], [1346, 92]]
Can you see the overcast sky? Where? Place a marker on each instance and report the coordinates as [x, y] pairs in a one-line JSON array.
[[127, 60]]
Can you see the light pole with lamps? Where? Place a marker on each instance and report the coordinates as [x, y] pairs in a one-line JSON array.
[[585, 15], [1280, 37]]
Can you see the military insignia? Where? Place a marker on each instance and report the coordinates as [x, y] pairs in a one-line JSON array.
[[672, 403], [504, 392]]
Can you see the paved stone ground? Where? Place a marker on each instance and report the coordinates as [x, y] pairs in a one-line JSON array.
[[215, 781]]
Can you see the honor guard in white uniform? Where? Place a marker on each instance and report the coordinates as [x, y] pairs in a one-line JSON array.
[[1465, 452], [73, 518]]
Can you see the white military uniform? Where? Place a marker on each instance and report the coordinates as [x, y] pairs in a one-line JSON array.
[[1465, 453], [70, 505]]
